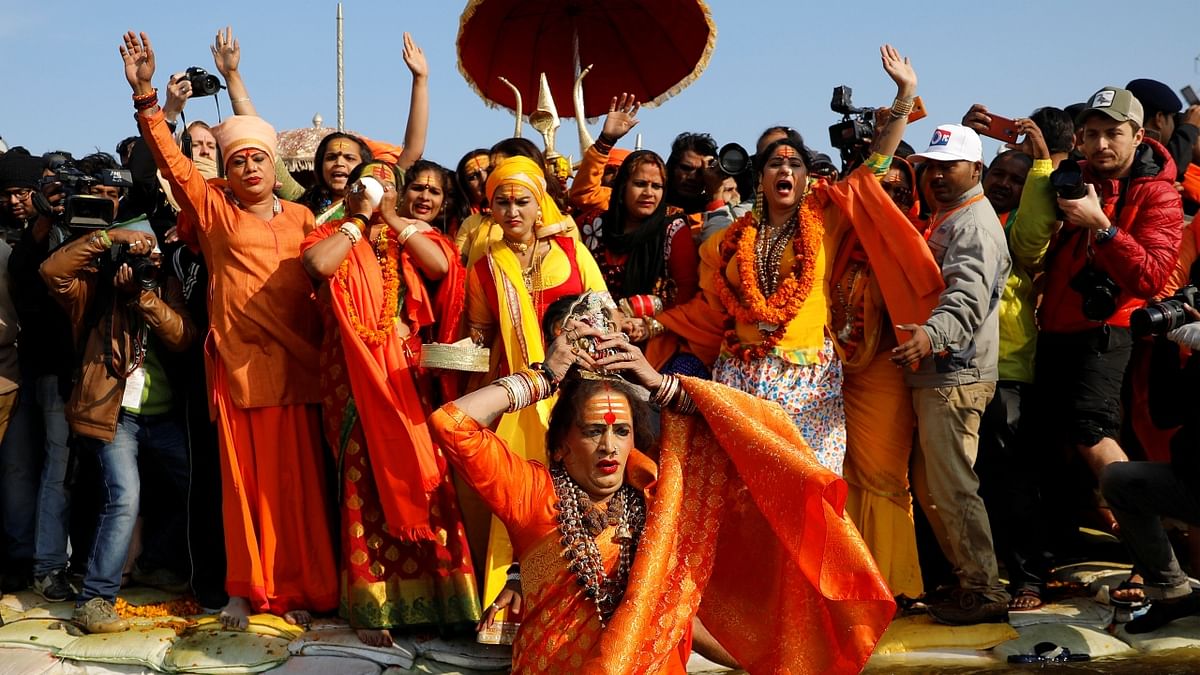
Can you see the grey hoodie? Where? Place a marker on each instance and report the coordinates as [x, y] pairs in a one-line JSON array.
[[964, 329]]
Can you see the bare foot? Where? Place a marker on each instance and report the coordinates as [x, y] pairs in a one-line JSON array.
[[298, 617], [236, 615], [375, 638]]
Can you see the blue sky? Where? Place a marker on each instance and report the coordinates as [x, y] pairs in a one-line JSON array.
[[775, 62]]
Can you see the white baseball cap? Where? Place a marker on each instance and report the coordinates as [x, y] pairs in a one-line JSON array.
[[952, 142]]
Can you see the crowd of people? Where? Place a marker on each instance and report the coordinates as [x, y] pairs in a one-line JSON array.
[[218, 376]]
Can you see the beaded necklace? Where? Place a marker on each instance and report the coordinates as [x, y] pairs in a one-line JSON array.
[[580, 522], [769, 248]]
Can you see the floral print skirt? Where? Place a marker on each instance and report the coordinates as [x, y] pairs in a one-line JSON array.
[[811, 394]]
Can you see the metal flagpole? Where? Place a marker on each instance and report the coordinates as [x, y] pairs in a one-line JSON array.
[[341, 79]]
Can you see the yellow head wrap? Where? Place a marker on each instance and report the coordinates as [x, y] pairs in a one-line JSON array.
[[526, 173]]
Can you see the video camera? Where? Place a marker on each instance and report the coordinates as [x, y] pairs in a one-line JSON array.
[[82, 210], [853, 135]]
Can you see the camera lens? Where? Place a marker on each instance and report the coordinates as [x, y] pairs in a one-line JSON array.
[[732, 159]]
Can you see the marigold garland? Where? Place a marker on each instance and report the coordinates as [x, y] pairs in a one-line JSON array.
[[784, 304], [389, 312]]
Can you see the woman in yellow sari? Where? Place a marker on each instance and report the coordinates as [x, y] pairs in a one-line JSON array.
[[508, 290]]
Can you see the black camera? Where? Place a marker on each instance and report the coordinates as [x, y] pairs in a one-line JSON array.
[[853, 135], [82, 210], [203, 84], [1099, 293], [1067, 181], [145, 272], [1165, 315]]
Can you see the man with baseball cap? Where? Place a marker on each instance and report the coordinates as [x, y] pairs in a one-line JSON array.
[[1117, 247], [955, 353]]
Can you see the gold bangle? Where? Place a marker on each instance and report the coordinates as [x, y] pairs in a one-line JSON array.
[[406, 234]]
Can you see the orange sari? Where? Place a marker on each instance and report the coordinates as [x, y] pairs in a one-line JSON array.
[[729, 480]]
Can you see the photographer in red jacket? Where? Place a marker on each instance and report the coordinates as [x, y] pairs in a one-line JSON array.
[[1119, 242]]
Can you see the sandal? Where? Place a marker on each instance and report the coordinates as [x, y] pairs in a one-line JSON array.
[[1134, 591], [1163, 612], [1027, 599]]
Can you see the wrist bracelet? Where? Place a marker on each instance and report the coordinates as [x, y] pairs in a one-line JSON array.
[[654, 327], [406, 234], [102, 237], [352, 233], [902, 108], [240, 99], [513, 576], [603, 145], [363, 221], [551, 378]]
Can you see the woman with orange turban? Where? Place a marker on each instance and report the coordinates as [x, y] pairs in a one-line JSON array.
[[261, 356]]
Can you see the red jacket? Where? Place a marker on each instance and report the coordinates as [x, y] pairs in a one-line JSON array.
[[1139, 257]]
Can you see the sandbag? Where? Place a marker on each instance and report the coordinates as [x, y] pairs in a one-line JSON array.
[[1078, 611], [45, 634], [142, 645], [1079, 639], [918, 633], [344, 642], [210, 651], [1179, 634]]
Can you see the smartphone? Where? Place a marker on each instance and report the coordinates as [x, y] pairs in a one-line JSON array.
[[918, 111], [1189, 95], [1002, 129]]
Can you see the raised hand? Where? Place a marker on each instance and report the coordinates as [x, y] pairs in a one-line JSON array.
[[414, 57], [139, 61], [226, 51], [179, 90], [977, 118], [621, 118], [900, 69], [1034, 144]]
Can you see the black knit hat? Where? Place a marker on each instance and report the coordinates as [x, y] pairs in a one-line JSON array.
[[1155, 96], [20, 171]]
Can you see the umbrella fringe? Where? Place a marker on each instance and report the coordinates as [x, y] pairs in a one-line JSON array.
[[701, 65]]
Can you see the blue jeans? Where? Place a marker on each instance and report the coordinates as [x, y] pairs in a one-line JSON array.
[[121, 491], [20, 463], [52, 517]]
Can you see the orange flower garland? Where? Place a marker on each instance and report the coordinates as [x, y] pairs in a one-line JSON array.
[[388, 314], [753, 308]]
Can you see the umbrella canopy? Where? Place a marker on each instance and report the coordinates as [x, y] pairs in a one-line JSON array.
[[652, 49], [297, 146]]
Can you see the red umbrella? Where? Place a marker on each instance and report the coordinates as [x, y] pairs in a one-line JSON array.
[[652, 49]]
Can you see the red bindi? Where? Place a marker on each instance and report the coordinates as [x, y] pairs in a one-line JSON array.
[[610, 418]]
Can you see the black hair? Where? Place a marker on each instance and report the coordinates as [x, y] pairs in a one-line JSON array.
[[760, 159], [523, 147], [779, 129], [904, 150], [1057, 127], [463, 201], [448, 198], [556, 313], [575, 393], [319, 196]]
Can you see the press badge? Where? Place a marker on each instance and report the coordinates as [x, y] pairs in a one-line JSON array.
[[135, 384]]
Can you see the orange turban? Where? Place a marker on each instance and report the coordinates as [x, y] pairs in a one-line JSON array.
[[241, 132]]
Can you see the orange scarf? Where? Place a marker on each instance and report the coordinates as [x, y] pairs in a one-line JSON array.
[[738, 477], [909, 277], [406, 465]]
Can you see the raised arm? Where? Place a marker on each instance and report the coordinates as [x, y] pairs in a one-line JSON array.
[[418, 105], [900, 69], [227, 55], [586, 191]]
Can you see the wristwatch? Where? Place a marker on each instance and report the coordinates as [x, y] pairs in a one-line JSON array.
[[1105, 235]]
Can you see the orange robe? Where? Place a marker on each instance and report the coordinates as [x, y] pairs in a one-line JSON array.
[[729, 480], [262, 356]]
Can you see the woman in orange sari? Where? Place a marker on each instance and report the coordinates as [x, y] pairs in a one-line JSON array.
[[616, 552], [388, 280], [879, 414]]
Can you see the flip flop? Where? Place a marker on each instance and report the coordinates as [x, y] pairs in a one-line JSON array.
[[1128, 585]]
